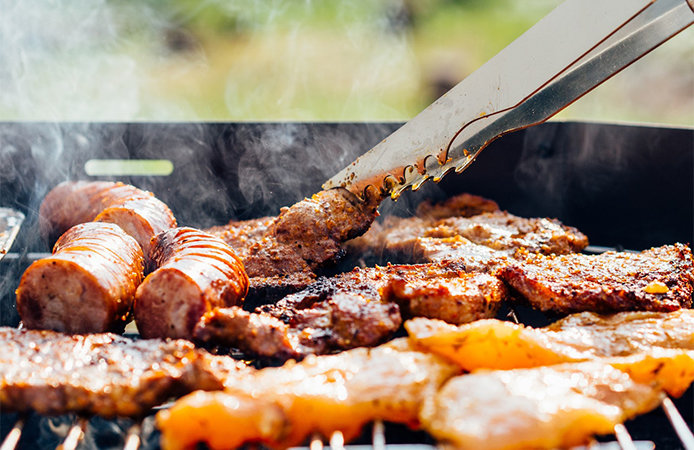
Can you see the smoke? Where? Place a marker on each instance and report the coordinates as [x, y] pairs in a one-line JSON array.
[[353, 65]]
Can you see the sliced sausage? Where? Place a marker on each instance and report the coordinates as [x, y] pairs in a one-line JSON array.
[[87, 285], [137, 212], [197, 272]]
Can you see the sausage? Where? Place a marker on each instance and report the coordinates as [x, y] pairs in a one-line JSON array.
[[197, 272], [137, 212], [87, 285]]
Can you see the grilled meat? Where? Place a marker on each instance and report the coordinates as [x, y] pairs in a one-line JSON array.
[[359, 308], [283, 406], [301, 239], [87, 285], [449, 230], [494, 344], [461, 205], [544, 407], [196, 272], [343, 322], [658, 279], [138, 212], [104, 374]]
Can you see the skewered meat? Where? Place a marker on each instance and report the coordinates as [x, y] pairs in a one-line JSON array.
[[658, 279], [283, 406], [494, 344], [138, 212], [460, 222], [301, 239], [197, 272], [359, 308], [544, 407], [87, 285], [105, 374]]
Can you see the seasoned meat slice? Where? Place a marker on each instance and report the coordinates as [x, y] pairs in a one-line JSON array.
[[363, 307], [104, 374], [496, 344], [343, 322], [501, 230], [545, 407], [282, 406], [658, 279], [451, 229], [87, 285], [461, 205]]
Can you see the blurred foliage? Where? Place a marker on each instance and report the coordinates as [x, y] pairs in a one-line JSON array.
[[286, 60]]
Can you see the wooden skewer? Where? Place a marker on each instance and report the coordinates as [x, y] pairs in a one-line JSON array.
[[12, 438], [316, 442], [337, 441], [378, 438], [678, 423], [74, 435], [132, 439], [623, 437]]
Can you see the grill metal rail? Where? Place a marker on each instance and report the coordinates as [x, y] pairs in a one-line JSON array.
[[624, 441]]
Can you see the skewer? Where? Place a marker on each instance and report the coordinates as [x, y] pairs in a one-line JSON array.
[[74, 435], [12, 438], [678, 423], [623, 437], [132, 438], [337, 441], [378, 437], [316, 442]]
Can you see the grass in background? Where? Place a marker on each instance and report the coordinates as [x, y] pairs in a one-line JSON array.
[[289, 60]]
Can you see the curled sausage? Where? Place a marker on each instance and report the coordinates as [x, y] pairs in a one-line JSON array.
[[197, 272], [87, 285], [137, 212]]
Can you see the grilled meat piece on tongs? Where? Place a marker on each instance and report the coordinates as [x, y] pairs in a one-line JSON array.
[[282, 254]]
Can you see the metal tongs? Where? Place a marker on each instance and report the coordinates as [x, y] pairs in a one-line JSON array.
[[569, 52], [10, 222]]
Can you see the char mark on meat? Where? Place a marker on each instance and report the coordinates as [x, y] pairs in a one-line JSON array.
[[363, 307]]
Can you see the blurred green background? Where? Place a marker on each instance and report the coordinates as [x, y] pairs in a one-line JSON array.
[[309, 60]]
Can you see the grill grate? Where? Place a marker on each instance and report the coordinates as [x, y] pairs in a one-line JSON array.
[[133, 441], [133, 436]]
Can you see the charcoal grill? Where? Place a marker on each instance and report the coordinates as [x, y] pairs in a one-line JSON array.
[[625, 186]]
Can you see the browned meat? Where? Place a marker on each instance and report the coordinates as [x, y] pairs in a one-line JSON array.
[[659, 279], [456, 300], [503, 231], [345, 321], [461, 205], [138, 212], [447, 230], [363, 307], [104, 374], [197, 272], [87, 285], [304, 237]]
